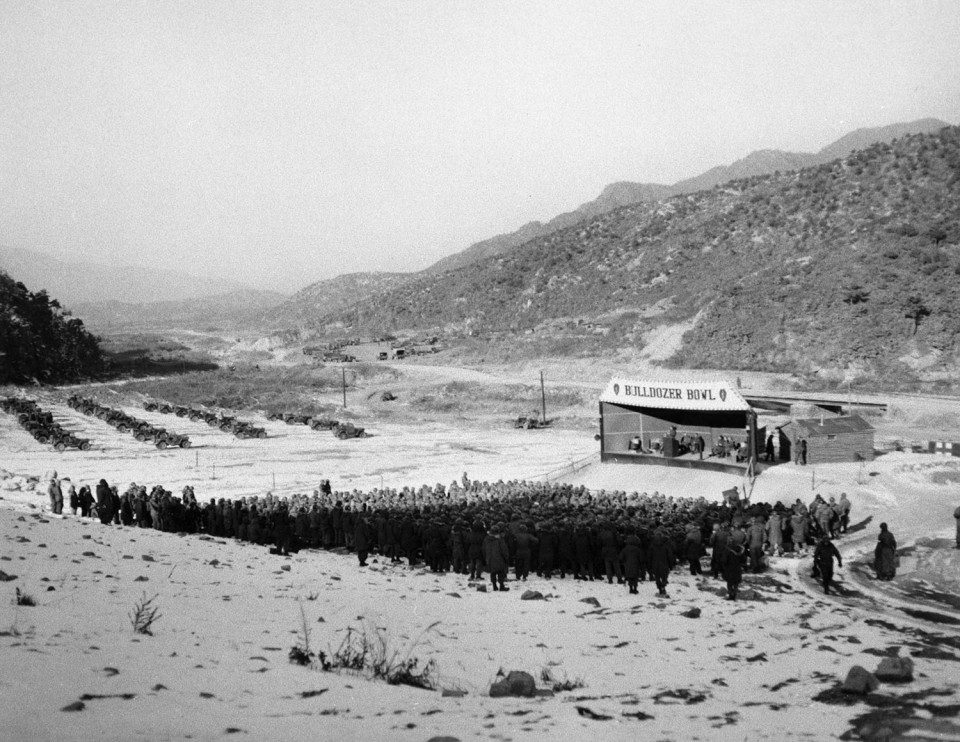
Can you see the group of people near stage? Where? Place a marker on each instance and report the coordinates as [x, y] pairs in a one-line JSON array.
[[473, 528]]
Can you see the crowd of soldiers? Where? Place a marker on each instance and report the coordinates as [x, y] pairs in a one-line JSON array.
[[473, 527]]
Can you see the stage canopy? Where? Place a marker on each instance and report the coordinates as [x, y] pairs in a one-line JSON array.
[[716, 396]]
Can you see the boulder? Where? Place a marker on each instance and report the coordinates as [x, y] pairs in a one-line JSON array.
[[452, 693], [895, 670], [591, 601], [532, 595], [860, 680], [692, 613], [481, 588], [517, 683]]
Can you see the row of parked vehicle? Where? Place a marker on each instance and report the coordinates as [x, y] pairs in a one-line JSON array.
[[141, 430], [340, 430], [41, 425], [226, 423]]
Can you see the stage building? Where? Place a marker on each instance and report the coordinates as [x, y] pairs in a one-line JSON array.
[[696, 424]]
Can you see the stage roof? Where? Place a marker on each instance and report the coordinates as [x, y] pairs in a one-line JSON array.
[[715, 395]]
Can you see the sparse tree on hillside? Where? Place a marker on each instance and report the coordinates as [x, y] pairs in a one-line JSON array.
[[915, 309], [937, 233]]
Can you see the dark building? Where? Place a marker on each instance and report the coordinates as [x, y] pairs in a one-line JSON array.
[[830, 440]]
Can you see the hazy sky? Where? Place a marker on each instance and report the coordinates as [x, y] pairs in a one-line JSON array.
[[280, 143]]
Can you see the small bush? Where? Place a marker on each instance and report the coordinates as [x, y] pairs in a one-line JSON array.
[[25, 599], [144, 614], [558, 685], [368, 651]]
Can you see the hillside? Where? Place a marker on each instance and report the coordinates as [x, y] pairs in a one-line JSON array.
[[76, 281], [40, 341], [612, 197], [615, 195], [849, 264], [331, 296]]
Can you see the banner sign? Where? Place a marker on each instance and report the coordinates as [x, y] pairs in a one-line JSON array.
[[716, 395]]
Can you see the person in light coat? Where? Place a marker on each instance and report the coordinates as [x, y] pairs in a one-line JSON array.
[[55, 494]]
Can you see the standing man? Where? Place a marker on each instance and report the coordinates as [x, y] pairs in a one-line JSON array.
[[756, 535], [661, 559], [718, 548], [845, 507], [56, 495], [823, 557], [631, 555], [693, 544], [885, 554], [769, 448], [497, 557], [775, 533], [733, 569], [956, 515], [361, 537]]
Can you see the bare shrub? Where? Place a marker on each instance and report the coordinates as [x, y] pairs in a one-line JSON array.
[[369, 651], [558, 685], [24, 599], [144, 614]]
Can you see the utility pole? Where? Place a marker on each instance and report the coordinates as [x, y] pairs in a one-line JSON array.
[[543, 398], [343, 373]]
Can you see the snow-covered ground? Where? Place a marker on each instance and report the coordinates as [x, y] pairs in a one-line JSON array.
[[216, 665]]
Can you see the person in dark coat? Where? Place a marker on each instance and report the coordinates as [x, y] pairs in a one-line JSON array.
[[661, 559], [409, 540], [458, 557], [611, 553], [583, 545], [475, 539], [86, 501], [693, 547], [336, 519], [104, 502], [524, 543], [126, 510], [631, 555], [823, 557], [956, 516], [115, 504], [497, 557], [361, 538], [885, 554], [281, 531], [732, 568], [566, 551], [769, 448], [547, 553]]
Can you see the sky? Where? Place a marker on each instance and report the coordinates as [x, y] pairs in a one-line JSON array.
[[276, 144]]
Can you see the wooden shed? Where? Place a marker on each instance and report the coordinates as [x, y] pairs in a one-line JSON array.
[[831, 439]]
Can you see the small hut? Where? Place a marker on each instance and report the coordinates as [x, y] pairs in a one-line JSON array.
[[831, 440]]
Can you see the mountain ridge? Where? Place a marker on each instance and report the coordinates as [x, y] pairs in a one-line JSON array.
[[614, 195], [757, 162], [76, 281], [850, 264]]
